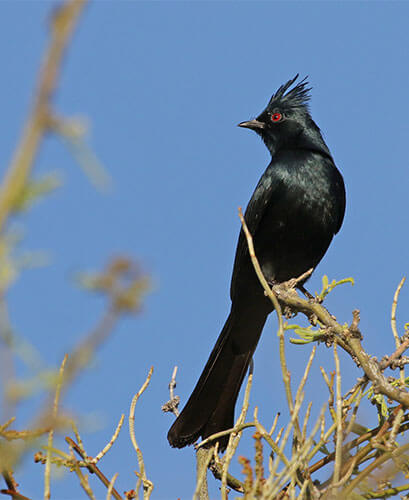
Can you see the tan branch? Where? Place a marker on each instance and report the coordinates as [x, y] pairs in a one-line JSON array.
[[147, 485], [47, 469], [63, 24], [93, 467]]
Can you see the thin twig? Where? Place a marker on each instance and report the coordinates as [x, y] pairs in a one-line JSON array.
[[287, 432], [47, 469], [338, 447], [15, 495], [296, 463], [78, 437], [269, 439], [259, 272], [388, 492], [227, 432], [269, 292], [390, 360], [83, 478], [273, 427], [92, 467], [351, 423], [301, 496], [393, 311], [103, 452], [374, 466], [147, 485], [111, 486], [395, 330], [306, 419], [395, 427], [349, 446], [172, 385], [7, 424], [173, 403], [232, 482], [234, 438], [306, 373], [11, 486]]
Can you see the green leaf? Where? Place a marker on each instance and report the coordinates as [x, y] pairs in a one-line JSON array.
[[328, 287], [300, 341], [307, 335], [380, 401]]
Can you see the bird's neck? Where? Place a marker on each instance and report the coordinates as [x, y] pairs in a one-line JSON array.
[[312, 140], [309, 139]]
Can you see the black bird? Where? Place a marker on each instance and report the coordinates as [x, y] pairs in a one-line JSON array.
[[296, 208]]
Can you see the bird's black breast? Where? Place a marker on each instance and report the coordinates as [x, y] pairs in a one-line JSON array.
[[296, 208]]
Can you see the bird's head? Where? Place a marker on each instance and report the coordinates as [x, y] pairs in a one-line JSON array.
[[286, 121]]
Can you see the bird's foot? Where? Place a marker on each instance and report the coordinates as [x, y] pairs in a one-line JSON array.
[[283, 286]]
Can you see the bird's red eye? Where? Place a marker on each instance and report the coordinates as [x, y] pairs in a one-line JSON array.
[[276, 117]]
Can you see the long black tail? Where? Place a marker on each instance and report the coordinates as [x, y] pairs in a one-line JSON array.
[[210, 408]]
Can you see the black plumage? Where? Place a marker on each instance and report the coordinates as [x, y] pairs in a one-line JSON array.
[[297, 207]]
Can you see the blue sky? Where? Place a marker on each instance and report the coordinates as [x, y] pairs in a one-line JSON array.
[[163, 85]]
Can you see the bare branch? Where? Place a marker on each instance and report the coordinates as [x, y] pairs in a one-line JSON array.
[[63, 24], [147, 485]]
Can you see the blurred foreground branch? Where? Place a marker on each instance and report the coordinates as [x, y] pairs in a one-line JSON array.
[[63, 23], [122, 283]]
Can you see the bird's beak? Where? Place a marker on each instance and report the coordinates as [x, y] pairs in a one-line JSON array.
[[252, 124]]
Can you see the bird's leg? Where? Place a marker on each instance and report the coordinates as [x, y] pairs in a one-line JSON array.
[[297, 283], [309, 296], [306, 292]]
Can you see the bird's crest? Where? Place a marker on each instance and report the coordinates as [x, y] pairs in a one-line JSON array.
[[297, 97]]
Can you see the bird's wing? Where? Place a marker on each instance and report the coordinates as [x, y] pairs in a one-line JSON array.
[[270, 194], [341, 196], [262, 197]]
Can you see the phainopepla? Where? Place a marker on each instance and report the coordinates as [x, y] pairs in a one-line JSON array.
[[296, 208]]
